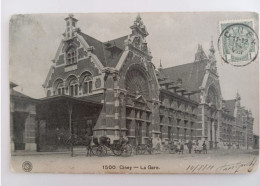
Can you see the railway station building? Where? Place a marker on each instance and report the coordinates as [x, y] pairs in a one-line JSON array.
[[113, 88]]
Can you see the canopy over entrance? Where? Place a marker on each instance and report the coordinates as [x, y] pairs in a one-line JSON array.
[[64, 115]]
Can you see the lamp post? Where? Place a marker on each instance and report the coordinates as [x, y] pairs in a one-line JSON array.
[[229, 134], [120, 116], [69, 107]]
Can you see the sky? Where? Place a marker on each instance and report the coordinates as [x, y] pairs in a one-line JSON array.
[[173, 39]]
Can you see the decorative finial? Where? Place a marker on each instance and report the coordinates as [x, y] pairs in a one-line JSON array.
[[160, 63], [200, 54], [212, 50], [139, 27], [138, 17], [237, 95]]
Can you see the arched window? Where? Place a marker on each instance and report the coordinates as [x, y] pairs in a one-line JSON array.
[[212, 96], [71, 56], [60, 89], [73, 87], [87, 84], [136, 82]]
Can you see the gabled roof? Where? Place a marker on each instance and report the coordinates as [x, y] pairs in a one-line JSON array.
[[98, 47], [191, 74], [160, 75], [15, 95], [103, 50], [119, 42], [230, 106], [19, 94]]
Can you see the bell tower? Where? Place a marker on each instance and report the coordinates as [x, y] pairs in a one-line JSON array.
[[70, 26]]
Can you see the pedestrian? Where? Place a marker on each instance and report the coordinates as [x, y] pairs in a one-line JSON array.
[[158, 145], [189, 145], [204, 147], [181, 147], [150, 145]]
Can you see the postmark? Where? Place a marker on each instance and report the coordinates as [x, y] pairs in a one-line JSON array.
[[27, 166], [238, 42]]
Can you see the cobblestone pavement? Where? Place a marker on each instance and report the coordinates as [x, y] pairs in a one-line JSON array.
[[216, 161]]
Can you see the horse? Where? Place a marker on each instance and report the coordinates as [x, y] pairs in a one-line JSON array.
[[87, 142]]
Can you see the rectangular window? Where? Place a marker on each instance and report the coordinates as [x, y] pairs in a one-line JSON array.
[[89, 122], [62, 92], [178, 131], [147, 115], [147, 129], [191, 124], [76, 90], [185, 123], [170, 120], [72, 90], [90, 86], [128, 127], [161, 119], [71, 57], [169, 133], [161, 131], [85, 88], [178, 122]]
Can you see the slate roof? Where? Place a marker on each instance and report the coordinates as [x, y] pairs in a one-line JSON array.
[[191, 74], [16, 93], [19, 94], [230, 106], [108, 52]]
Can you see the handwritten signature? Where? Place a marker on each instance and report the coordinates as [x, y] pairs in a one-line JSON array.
[[235, 167], [226, 168]]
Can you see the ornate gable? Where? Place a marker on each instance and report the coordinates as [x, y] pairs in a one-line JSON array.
[[137, 40], [140, 99]]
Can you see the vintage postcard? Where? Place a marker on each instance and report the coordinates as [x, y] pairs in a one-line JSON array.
[[146, 93]]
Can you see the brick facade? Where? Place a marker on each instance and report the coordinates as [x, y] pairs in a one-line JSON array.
[[139, 101]]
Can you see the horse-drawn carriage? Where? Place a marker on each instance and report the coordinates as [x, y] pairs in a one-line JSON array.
[[118, 147], [174, 148], [143, 148], [97, 146]]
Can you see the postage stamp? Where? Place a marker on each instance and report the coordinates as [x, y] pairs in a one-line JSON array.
[[238, 42]]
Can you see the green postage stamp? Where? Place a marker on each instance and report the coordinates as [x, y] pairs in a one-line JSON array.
[[238, 42]]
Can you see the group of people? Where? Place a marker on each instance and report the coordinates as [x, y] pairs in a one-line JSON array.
[[157, 146], [198, 146], [179, 146]]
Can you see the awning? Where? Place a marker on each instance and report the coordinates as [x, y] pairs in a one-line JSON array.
[[61, 104]]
